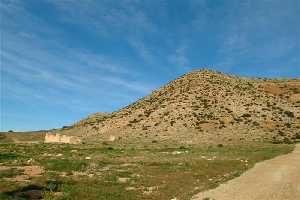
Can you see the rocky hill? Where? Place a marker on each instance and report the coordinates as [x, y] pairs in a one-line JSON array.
[[93, 119], [204, 107]]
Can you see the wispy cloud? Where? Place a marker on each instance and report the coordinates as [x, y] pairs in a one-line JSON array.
[[179, 57], [47, 68], [255, 32], [142, 50], [127, 18]]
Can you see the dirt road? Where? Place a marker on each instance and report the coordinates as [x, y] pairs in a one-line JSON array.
[[275, 179]]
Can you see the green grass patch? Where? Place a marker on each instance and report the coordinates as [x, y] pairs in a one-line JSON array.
[[9, 173], [91, 190], [65, 165], [151, 173], [7, 156]]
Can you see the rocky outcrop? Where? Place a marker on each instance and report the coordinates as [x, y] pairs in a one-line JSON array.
[[59, 138]]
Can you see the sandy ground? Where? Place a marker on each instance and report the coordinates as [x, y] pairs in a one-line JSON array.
[[275, 179]]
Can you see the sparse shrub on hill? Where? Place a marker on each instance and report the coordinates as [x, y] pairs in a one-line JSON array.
[[66, 127], [209, 101], [172, 122], [287, 140], [246, 115], [255, 123], [289, 114], [288, 125], [134, 121], [147, 113]]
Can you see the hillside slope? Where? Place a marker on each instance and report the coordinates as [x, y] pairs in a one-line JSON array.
[[204, 107]]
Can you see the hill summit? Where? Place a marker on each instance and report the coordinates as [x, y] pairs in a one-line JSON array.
[[203, 106]]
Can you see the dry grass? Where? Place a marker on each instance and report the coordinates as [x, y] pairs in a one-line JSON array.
[[111, 172]]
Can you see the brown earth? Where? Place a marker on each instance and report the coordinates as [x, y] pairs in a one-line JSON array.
[[27, 172]]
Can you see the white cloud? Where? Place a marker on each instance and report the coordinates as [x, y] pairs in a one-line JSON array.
[[259, 31], [36, 64], [179, 57], [142, 50], [124, 17]]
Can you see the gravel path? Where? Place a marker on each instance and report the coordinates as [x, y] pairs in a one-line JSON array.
[[275, 179]]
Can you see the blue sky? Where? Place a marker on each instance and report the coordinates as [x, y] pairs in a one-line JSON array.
[[64, 59]]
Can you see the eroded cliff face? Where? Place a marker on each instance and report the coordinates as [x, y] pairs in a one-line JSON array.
[[59, 138]]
